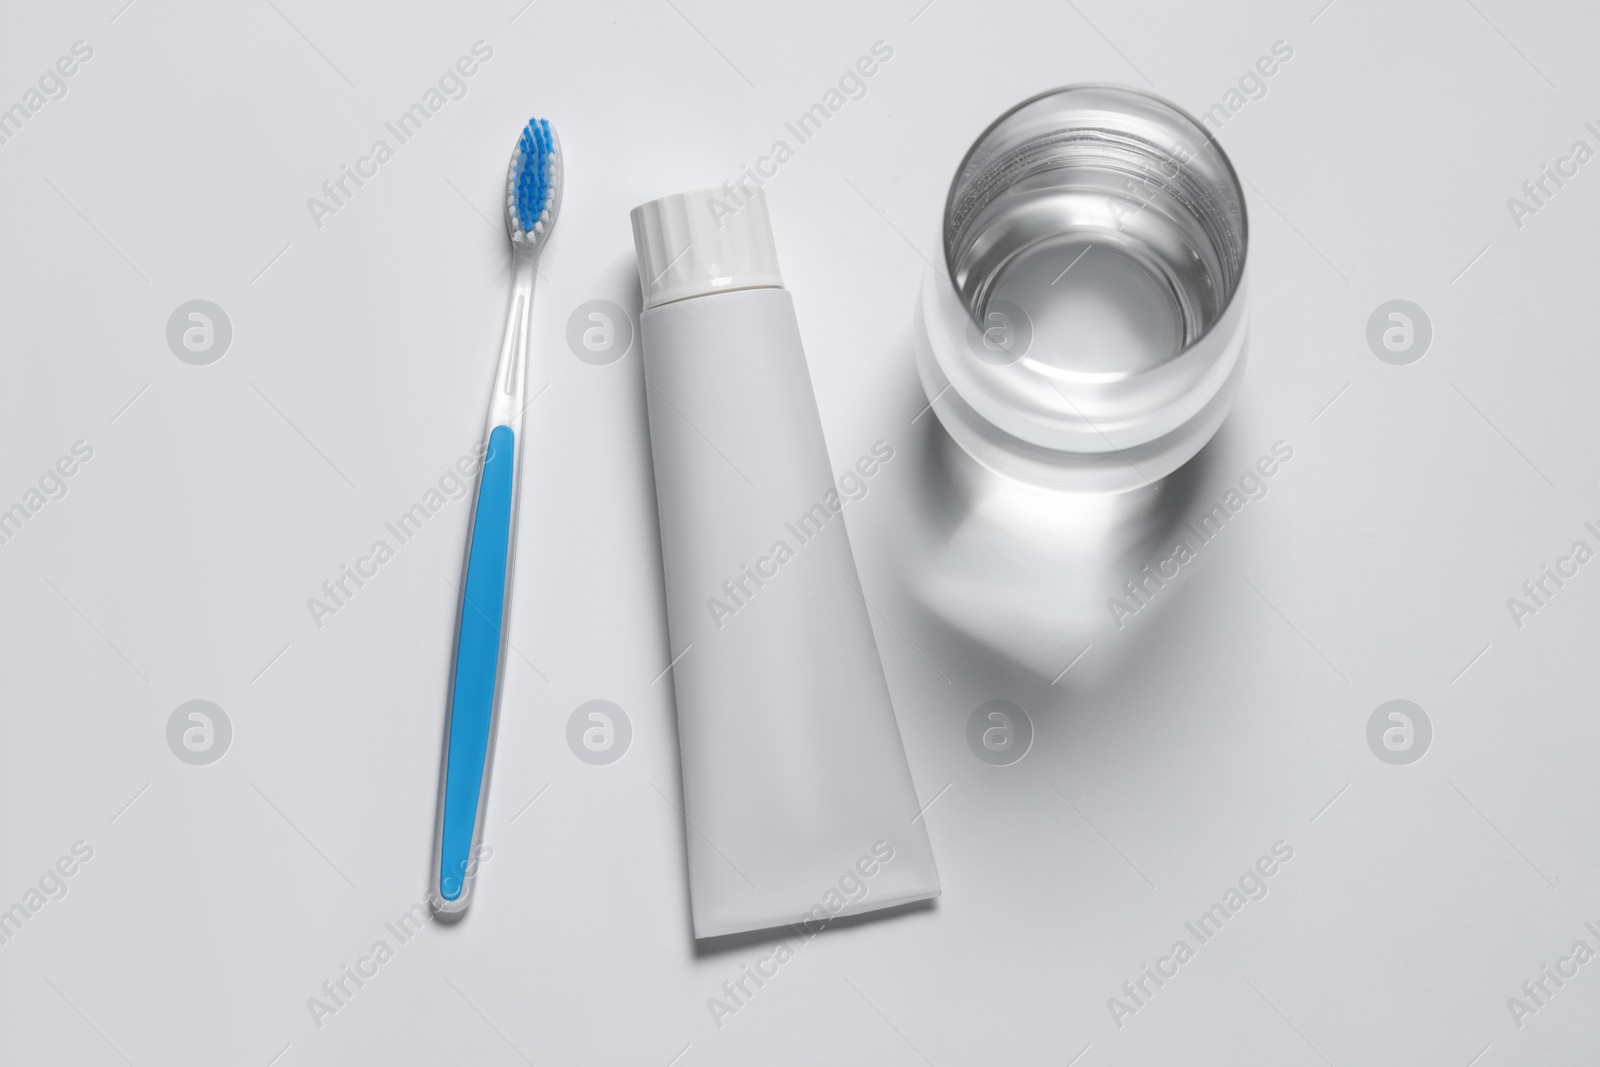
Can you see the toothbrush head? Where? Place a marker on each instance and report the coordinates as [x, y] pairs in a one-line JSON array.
[[533, 186]]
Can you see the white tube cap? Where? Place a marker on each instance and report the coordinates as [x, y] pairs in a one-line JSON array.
[[701, 242]]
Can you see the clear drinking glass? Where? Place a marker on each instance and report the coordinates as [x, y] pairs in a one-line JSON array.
[[1092, 329]]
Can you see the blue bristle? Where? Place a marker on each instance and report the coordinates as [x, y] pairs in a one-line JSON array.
[[533, 179]]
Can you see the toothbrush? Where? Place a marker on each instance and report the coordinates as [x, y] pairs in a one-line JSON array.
[[533, 195]]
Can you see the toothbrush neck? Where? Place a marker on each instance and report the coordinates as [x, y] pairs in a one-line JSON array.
[[511, 386]]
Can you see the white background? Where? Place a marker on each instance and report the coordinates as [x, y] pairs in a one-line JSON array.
[[1223, 719]]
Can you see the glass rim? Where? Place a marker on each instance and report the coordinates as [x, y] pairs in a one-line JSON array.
[[1207, 141]]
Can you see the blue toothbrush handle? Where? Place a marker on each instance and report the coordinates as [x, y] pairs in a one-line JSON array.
[[476, 678]]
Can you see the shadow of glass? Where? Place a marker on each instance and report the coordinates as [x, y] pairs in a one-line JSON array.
[[1023, 576]]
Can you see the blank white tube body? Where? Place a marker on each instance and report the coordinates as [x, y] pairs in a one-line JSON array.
[[799, 801]]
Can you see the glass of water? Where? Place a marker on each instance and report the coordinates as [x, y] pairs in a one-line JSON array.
[[1092, 328]]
